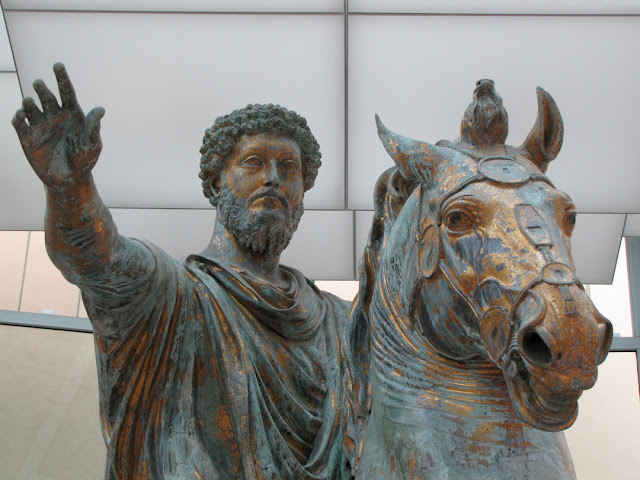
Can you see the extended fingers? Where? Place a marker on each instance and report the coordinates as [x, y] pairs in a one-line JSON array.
[[67, 92], [34, 115], [20, 124], [47, 99]]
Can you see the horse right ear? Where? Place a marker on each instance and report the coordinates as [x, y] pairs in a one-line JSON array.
[[545, 139], [416, 160]]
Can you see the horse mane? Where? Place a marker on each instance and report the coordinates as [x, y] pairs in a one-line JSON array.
[[391, 192]]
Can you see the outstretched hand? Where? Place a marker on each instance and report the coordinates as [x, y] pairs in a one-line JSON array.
[[60, 142]]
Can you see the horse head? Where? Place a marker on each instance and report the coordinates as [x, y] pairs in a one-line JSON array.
[[487, 259]]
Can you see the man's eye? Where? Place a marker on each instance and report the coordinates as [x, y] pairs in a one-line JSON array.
[[290, 166], [459, 222], [252, 162]]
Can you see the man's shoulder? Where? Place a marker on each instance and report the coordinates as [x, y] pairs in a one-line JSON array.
[[338, 303]]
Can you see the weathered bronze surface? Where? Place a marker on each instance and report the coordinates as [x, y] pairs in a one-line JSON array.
[[472, 338], [225, 366]]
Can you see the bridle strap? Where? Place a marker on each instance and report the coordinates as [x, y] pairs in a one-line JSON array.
[[508, 171]]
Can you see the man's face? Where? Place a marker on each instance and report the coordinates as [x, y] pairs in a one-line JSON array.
[[261, 191], [266, 170]]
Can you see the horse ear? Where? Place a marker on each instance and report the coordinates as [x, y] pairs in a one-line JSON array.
[[416, 160], [545, 139]]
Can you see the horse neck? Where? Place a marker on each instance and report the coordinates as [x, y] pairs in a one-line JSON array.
[[411, 373]]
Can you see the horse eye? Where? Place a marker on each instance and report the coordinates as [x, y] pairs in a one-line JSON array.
[[459, 222], [569, 222]]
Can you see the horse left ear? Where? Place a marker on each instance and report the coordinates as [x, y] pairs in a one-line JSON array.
[[545, 139], [416, 160]]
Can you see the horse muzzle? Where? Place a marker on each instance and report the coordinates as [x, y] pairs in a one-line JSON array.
[[560, 340]]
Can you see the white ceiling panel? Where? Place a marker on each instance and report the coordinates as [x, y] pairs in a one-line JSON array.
[[6, 58], [589, 7], [632, 226], [419, 72], [179, 6], [21, 193], [322, 247], [163, 80]]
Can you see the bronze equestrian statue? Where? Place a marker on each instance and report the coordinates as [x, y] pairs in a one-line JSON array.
[[472, 339], [225, 366]]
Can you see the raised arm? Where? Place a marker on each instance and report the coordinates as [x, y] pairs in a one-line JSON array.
[[62, 145]]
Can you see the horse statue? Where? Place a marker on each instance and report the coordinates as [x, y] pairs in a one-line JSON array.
[[471, 339]]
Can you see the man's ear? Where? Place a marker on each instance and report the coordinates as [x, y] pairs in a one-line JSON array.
[[215, 187]]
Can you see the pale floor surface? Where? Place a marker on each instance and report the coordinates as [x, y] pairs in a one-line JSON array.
[[49, 420]]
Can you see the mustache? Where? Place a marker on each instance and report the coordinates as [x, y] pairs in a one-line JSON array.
[[268, 192]]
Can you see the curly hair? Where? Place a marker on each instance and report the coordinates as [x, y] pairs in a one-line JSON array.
[[220, 140]]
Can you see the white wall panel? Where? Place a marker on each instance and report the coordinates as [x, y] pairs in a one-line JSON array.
[[589, 7], [594, 245], [163, 79], [612, 299], [608, 411], [419, 72], [21, 193], [180, 6], [177, 232], [6, 59], [632, 227], [322, 247]]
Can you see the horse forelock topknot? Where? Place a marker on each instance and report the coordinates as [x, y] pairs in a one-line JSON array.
[[220, 140]]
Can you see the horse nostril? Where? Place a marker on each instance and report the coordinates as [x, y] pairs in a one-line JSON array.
[[604, 337], [535, 349]]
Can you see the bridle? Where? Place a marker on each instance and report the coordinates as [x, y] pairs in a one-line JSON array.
[[497, 324]]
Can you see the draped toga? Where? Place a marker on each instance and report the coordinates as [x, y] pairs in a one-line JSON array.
[[207, 372]]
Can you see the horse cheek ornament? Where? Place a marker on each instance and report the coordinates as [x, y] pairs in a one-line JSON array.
[[471, 339]]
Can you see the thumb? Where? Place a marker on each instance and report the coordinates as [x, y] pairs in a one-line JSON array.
[[91, 134]]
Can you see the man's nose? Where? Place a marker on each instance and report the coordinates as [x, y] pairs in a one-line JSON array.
[[272, 175]]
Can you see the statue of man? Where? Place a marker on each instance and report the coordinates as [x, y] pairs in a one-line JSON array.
[[224, 366]]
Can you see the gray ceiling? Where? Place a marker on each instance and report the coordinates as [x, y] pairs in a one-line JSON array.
[[164, 70]]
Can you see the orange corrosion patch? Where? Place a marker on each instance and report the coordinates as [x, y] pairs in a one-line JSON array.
[[392, 463], [457, 408], [102, 344], [198, 371], [482, 443], [158, 413], [223, 423], [516, 435], [484, 433], [412, 467], [224, 431]]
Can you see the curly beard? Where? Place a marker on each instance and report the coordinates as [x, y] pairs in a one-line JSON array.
[[265, 231]]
